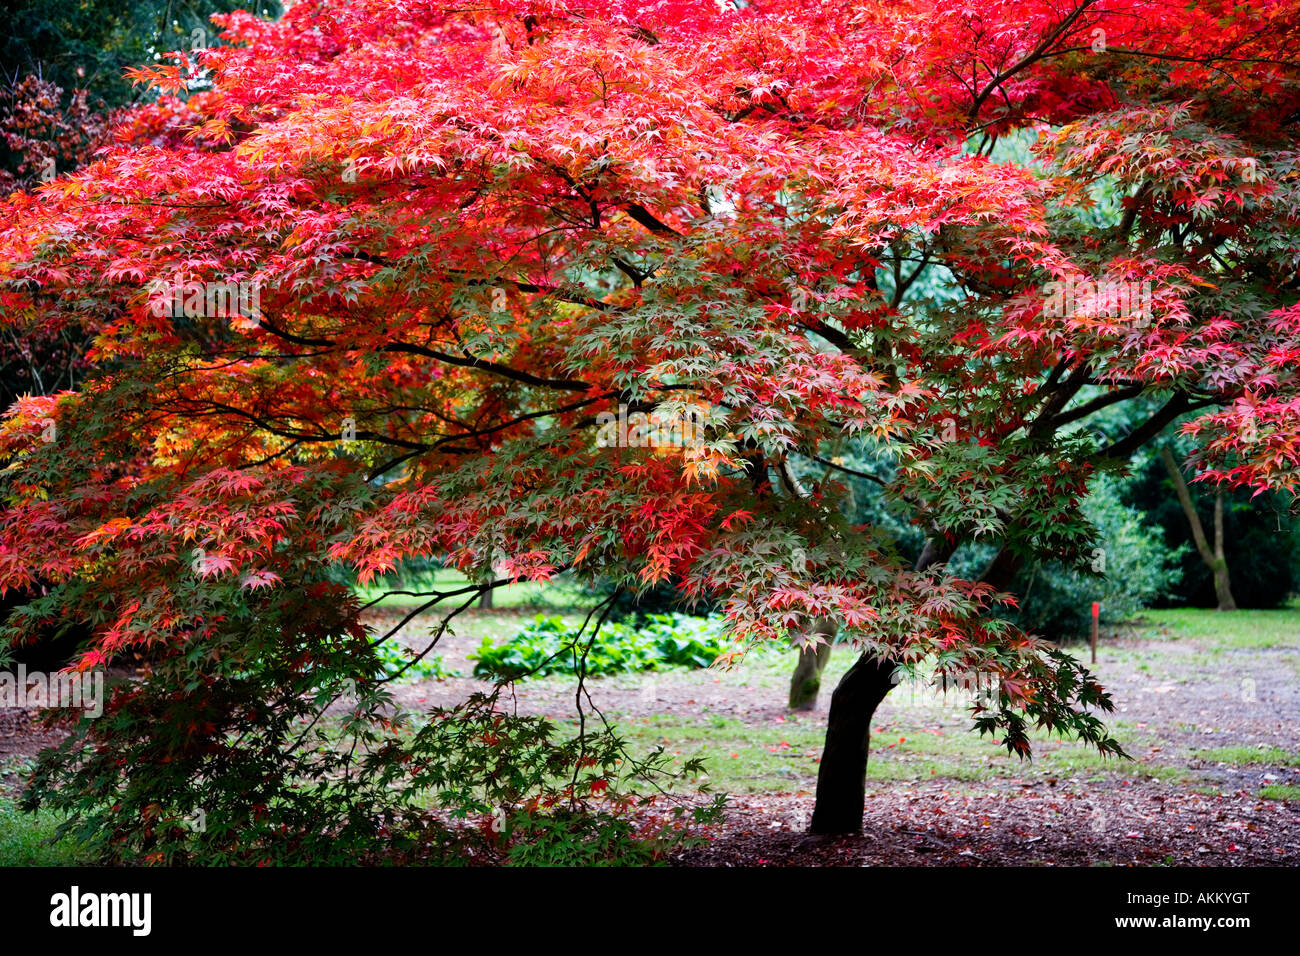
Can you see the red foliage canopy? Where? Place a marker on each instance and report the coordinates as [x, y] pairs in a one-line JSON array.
[[891, 227]]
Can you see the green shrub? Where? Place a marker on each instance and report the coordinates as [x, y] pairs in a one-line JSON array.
[[1129, 569], [271, 738], [549, 646], [396, 658]]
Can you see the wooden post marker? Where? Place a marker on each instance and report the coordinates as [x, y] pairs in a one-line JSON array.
[[1096, 616]]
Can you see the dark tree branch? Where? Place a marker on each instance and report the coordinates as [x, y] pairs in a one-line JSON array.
[[495, 368], [644, 217], [1097, 404], [1153, 426]]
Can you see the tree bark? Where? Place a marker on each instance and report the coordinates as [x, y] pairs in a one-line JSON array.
[[842, 777], [1213, 556], [806, 681]]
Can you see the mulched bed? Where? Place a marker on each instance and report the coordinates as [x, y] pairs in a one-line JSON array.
[[934, 825], [22, 735]]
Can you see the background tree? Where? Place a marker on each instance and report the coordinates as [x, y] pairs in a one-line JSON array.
[[473, 231], [1259, 538], [90, 44], [63, 67], [1213, 554]]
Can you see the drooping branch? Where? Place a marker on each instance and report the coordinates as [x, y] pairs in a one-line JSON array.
[[645, 218], [463, 361]]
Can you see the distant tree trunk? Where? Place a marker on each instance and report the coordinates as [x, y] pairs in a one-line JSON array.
[[807, 679], [498, 571], [1213, 556]]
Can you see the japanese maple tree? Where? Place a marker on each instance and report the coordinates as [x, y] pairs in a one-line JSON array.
[[471, 231]]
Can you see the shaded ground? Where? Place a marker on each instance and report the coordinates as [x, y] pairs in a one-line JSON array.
[[1206, 704], [1105, 823], [21, 738]]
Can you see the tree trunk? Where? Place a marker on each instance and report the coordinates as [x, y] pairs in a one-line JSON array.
[[842, 778], [1222, 584], [1212, 556], [806, 681]]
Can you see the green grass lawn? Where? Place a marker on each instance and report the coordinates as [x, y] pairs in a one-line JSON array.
[[905, 747], [1280, 791], [1248, 756], [1252, 630], [26, 840]]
